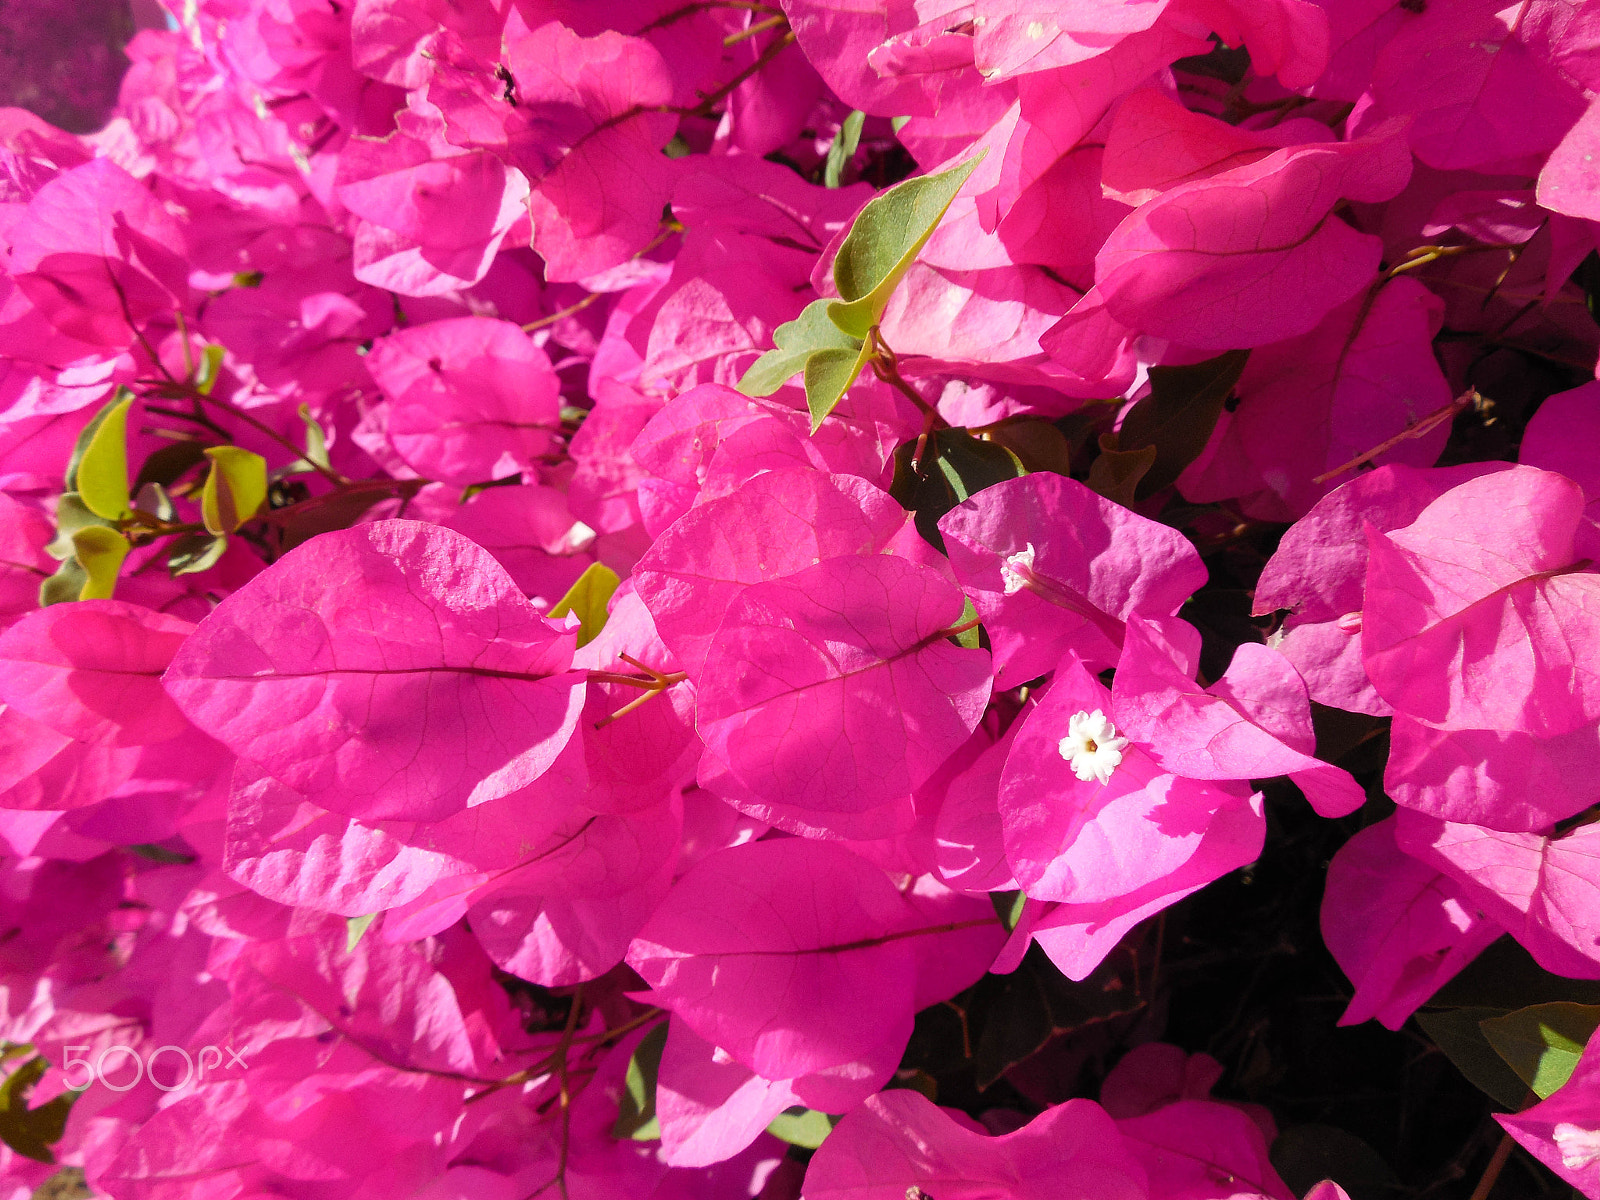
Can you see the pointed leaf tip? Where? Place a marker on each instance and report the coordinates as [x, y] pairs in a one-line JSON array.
[[589, 597], [101, 473], [884, 240], [235, 489]]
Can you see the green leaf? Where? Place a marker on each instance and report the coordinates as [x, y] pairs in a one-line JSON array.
[[954, 466], [235, 489], [355, 928], [30, 1131], [65, 585], [210, 363], [160, 854], [1039, 445], [195, 552], [794, 342], [1305, 1155], [1022, 1011], [829, 374], [1458, 1032], [883, 241], [152, 498], [168, 464], [803, 1127], [316, 439], [1008, 907], [588, 598], [71, 515], [1542, 1043], [1505, 977], [1116, 474], [1177, 417], [100, 552], [972, 638], [636, 1107], [843, 148], [121, 396], [102, 471]]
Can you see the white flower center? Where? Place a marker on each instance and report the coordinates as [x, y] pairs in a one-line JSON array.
[[1016, 570], [1092, 748], [1579, 1147]]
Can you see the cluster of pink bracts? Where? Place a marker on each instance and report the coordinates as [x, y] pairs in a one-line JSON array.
[[311, 781]]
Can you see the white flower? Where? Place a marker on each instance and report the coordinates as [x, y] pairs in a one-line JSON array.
[[1092, 748], [1579, 1147], [1016, 570]]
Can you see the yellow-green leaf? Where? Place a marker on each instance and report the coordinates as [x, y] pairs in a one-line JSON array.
[[71, 516], [1542, 1043], [795, 342], [235, 489], [636, 1107], [588, 598], [883, 242], [100, 552], [803, 1127], [102, 474], [829, 374], [354, 929], [844, 148], [210, 364]]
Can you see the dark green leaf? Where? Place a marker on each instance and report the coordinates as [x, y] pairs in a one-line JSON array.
[[636, 1108], [1117, 474], [1022, 1011], [1505, 977], [160, 854], [1542, 1043], [152, 498], [1457, 1032], [954, 466], [1305, 1155], [168, 464], [1178, 415], [1008, 907], [1039, 445], [31, 1131], [191, 553], [337, 510]]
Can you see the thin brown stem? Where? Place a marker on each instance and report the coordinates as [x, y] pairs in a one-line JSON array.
[[733, 39], [565, 1092], [886, 366], [562, 314], [1414, 430], [1491, 1173]]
